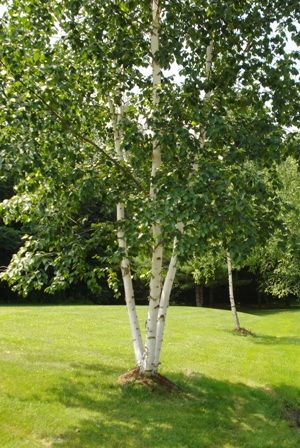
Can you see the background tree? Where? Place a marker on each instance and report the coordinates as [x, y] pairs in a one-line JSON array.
[[277, 262]]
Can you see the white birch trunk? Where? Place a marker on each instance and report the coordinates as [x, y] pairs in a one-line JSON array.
[[208, 63], [163, 305], [165, 298], [156, 264], [235, 317], [208, 68], [125, 264], [129, 292]]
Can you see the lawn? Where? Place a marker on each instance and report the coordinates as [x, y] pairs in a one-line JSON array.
[[59, 366]]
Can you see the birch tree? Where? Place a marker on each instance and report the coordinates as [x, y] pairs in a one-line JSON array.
[[235, 317], [93, 114]]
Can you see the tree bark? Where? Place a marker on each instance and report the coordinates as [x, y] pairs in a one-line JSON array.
[[235, 317], [208, 63], [125, 264], [259, 299], [208, 69], [163, 306], [165, 299], [199, 295], [157, 252]]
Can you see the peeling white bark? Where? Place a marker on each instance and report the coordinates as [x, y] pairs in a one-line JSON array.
[[125, 264], [155, 293], [208, 63], [235, 317], [157, 254], [165, 298], [129, 292], [163, 305], [208, 69]]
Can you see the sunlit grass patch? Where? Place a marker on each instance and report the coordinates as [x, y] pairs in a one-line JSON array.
[[59, 368]]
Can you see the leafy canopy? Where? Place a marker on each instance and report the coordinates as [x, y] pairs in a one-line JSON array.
[[220, 133]]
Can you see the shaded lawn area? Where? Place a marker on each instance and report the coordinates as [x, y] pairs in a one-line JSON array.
[[59, 366]]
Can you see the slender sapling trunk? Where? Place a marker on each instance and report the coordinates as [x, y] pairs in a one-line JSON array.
[[235, 317]]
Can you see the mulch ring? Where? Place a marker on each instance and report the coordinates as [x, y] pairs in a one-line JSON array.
[[243, 332], [154, 382]]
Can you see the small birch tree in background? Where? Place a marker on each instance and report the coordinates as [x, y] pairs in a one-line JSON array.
[[93, 114], [235, 317]]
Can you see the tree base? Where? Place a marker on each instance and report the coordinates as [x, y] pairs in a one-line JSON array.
[[243, 332], [154, 381]]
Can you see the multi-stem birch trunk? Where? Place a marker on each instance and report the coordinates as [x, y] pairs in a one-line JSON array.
[[235, 316], [169, 280], [125, 264], [148, 359], [148, 366]]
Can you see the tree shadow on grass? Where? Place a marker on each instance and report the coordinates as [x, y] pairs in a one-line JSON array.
[[276, 340], [270, 311], [210, 413], [258, 338]]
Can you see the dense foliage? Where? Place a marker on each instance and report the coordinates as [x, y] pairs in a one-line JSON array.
[[221, 132], [278, 261]]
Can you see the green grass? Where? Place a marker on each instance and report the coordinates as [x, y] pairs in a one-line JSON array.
[[59, 366]]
